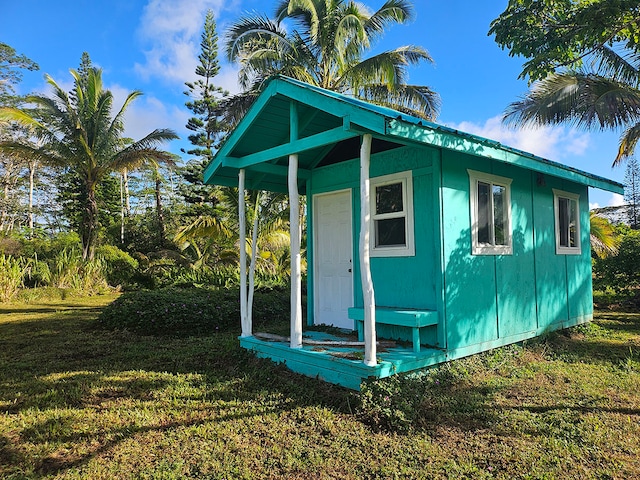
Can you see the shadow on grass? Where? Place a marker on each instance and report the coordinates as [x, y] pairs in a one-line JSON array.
[[573, 408], [616, 343], [67, 370], [34, 308]]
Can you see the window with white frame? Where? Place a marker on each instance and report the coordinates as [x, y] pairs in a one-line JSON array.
[[567, 219], [392, 215], [490, 205]]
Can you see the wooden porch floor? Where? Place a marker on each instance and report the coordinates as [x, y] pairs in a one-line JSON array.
[[343, 365]]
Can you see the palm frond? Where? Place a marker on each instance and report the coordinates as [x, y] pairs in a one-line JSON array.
[[582, 99], [604, 241], [202, 227], [235, 107], [622, 67], [627, 144], [418, 101], [12, 114], [249, 31], [393, 11], [387, 67], [306, 14], [25, 150]]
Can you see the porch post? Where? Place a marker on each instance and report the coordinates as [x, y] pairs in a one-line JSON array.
[[294, 233], [365, 265], [245, 321]]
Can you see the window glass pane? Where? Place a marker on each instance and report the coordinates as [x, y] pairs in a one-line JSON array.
[[573, 223], [563, 221], [389, 198], [499, 215], [483, 213], [390, 232]]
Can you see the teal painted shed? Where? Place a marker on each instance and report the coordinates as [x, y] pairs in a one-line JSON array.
[[450, 243]]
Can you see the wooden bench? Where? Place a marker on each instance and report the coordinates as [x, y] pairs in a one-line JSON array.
[[403, 317]]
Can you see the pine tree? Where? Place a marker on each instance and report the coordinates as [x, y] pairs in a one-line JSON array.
[[11, 66], [206, 124], [632, 192], [205, 96]]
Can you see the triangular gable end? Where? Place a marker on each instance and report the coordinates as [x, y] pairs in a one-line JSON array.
[[261, 142]]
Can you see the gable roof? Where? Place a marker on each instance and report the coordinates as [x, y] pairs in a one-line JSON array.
[[290, 116]]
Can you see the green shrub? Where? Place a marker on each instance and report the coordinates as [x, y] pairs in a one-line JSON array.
[[12, 272], [175, 311], [39, 274], [621, 271], [120, 267], [402, 403], [46, 248], [69, 271], [10, 246]]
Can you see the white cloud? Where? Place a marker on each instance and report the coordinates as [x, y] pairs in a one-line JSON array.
[[593, 206], [171, 29], [227, 79], [553, 143], [616, 200], [147, 113]]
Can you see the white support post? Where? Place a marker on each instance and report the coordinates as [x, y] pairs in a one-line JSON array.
[[296, 278], [294, 233], [252, 263], [245, 321], [365, 264]]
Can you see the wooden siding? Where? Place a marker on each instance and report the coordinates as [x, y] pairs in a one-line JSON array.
[[500, 298]]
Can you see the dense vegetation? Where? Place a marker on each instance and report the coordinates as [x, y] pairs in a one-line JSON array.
[[189, 311]]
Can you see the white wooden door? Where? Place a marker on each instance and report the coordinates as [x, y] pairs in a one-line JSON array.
[[333, 282]]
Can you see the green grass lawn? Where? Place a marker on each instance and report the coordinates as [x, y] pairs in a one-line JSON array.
[[80, 402]]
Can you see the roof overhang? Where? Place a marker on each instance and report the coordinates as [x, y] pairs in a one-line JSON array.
[[441, 136], [291, 117]]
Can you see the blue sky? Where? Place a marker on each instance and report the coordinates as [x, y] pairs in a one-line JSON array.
[[152, 46]]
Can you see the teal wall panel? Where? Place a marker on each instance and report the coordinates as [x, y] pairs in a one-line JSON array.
[[579, 281], [409, 281], [470, 280], [406, 281], [551, 268], [515, 274]]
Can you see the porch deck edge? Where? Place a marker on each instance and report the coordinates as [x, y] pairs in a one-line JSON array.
[[342, 371]]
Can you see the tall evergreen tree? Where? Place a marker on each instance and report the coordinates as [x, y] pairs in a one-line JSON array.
[[205, 95], [206, 124], [632, 192], [11, 66]]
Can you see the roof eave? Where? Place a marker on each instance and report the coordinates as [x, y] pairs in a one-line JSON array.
[[444, 137]]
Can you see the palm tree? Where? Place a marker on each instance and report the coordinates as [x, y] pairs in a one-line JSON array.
[[326, 48], [604, 241], [604, 95], [78, 132]]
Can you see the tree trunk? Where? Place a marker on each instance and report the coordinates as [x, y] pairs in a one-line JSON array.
[[122, 208], [159, 213], [89, 223], [32, 173], [127, 197], [5, 208]]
